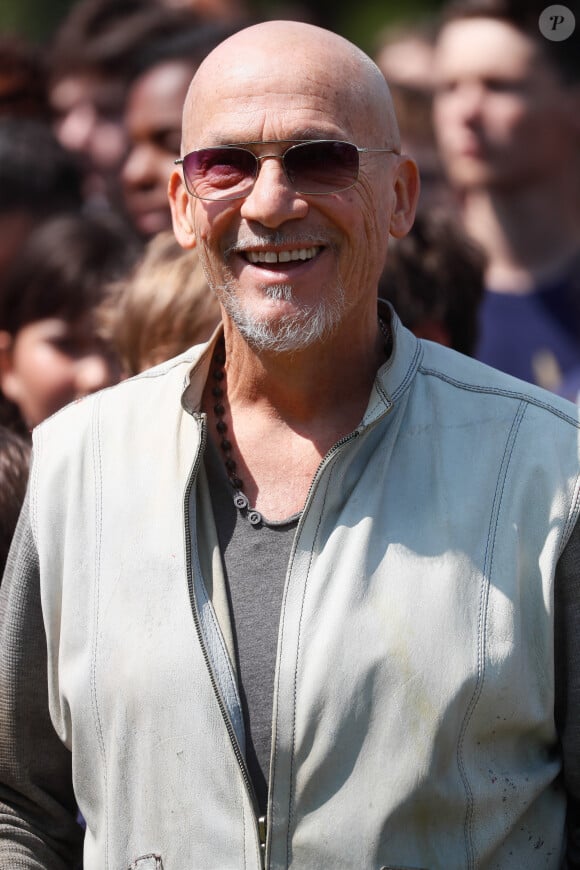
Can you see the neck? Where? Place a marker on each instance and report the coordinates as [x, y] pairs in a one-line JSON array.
[[528, 235], [279, 414], [331, 379]]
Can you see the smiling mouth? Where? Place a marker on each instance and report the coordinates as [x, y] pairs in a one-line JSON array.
[[274, 257]]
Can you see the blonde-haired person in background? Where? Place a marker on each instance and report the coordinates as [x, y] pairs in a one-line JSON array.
[[163, 307]]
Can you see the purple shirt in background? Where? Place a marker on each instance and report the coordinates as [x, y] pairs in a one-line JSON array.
[[535, 336]]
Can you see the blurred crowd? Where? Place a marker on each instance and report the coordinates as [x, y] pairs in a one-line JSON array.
[[93, 287]]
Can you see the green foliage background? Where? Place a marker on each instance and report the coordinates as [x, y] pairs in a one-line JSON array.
[[361, 21]]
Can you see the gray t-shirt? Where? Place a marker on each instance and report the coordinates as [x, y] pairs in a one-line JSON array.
[[255, 561]]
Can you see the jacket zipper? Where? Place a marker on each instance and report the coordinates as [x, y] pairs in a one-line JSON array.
[[260, 820], [328, 456], [336, 447]]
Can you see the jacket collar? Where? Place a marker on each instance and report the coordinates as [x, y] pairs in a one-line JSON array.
[[397, 373], [392, 380]]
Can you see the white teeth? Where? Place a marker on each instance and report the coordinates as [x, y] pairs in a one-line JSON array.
[[281, 256]]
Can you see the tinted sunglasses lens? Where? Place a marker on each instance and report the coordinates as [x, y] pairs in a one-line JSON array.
[[322, 167], [219, 173]]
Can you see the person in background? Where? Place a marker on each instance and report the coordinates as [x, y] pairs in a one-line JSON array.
[[14, 463], [23, 89], [50, 352], [161, 74], [38, 179], [162, 308], [226, 11], [90, 66], [506, 113], [404, 54], [434, 279]]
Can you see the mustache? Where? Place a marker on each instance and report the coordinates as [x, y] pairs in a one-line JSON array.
[[277, 238]]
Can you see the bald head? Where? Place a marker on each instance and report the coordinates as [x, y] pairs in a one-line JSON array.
[[324, 213], [285, 67]]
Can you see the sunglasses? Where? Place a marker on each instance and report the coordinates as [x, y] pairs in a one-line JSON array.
[[318, 167]]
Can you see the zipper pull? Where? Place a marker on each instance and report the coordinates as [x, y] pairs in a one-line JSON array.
[[262, 832]]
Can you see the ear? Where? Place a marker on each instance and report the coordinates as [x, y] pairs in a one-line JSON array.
[[406, 190], [180, 203]]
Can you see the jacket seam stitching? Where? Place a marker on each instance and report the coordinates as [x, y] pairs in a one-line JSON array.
[[409, 375], [209, 615], [168, 370], [193, 569], [414, 367], [291, 789], [34, 485], [497, 391], [482, 626], [97, 476]]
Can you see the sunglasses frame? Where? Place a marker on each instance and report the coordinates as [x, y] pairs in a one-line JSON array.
[[292, 143]]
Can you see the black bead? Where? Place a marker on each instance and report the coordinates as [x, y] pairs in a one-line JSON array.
[[219, 409], [230, 464], [237, 483], [221, 426], [217, 392], [218, 374]]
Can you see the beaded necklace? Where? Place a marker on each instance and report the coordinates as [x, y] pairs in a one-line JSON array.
[[241, 500]]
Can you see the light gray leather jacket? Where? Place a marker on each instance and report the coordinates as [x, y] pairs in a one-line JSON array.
[[413, 720]]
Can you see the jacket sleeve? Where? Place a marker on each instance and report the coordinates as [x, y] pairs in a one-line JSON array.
[[38, 827], [567, 701]]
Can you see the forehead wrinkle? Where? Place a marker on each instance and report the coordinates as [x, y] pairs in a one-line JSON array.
[[319, 73], [279, 115]]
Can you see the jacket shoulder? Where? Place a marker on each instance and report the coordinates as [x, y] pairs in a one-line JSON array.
[[461, 372], [140, 401]]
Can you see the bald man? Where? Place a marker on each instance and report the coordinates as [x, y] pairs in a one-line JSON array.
[[304, 596]]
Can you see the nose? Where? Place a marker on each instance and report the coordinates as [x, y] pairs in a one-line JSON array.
[[272, 201], [93, 372], [470, 100]]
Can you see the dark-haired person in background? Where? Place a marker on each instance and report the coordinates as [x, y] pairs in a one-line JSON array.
[[91, 63], [50, 352], [39, 178], [434, 279], [23, 79], [161, 74]]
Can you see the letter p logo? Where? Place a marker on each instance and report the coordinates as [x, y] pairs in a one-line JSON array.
[[557, 23]]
